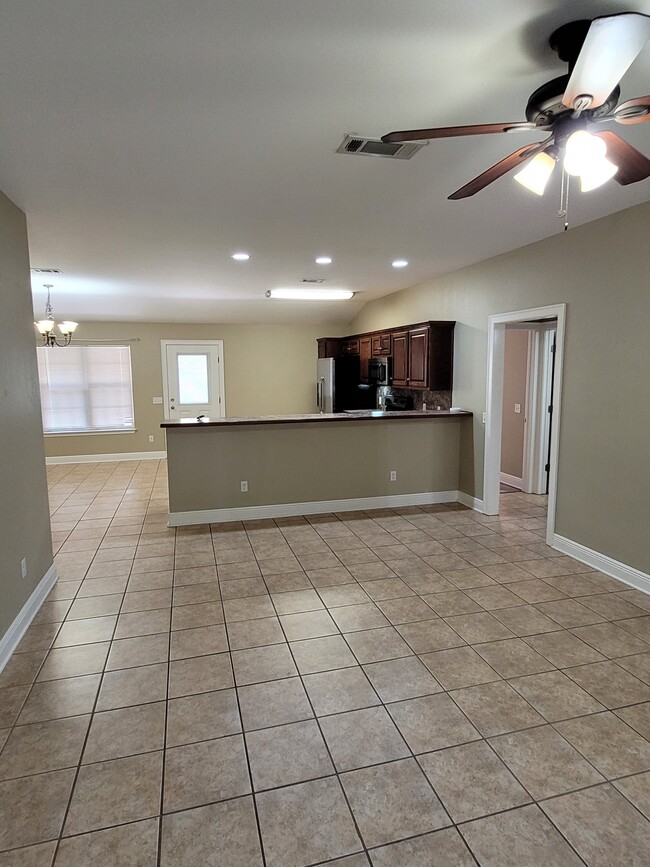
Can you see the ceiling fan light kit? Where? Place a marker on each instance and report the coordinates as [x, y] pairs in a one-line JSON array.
[[598, 54]]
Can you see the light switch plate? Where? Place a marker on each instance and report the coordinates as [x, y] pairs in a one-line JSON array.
[[517, 407], [157, 400]]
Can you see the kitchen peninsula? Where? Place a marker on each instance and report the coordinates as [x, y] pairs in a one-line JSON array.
[[235, 469]]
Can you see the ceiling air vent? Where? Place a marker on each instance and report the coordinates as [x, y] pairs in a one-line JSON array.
[[45, 270], [313, 280], [375, 147]]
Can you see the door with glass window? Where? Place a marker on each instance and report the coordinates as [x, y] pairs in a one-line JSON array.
[[193, 378]]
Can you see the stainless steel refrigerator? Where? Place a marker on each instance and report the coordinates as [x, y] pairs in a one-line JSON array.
[[339, 386]]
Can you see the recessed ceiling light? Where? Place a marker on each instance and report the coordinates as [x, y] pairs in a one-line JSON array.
[[241, 257], [400, 263], [324, 260], [310, 294]]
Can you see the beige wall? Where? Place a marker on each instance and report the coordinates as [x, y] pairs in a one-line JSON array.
[[311, 462], [514, 391], [601, 271], [24, 518], [268, 369]]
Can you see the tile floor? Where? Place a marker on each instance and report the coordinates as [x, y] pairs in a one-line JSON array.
[[399, 688]]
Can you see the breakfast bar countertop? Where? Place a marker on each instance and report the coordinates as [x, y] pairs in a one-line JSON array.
[[316, 417]]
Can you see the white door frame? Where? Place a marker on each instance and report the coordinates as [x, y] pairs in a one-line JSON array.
[[494, 405], [538, 399], [218, 344]]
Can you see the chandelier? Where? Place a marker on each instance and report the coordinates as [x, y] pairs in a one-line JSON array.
[[46, 326]]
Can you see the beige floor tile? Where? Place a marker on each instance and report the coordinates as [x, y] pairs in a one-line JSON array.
[[526, 620], [438, 849], [249, 608], [376, 645], [255, 633], [544, 762], [342, 595], [409, 609], [638, 665], [43, 746], [125, 732], [638, 717], [495, 708], [115, 792], [472, 781], [201, 773], [306, 823], [219, 835], [610, 640], [384, 589], [340, 691], [602, 826], [637, 790], [512, 658], [143, 623], [202, 717], [362, 737], [297, 601], [521, 836], [330, 577], [202, 614], [610, 684], [38, 638], [89, 631], [458, 667], [260, 664], [40, 855], [132, 686], [95, 606], [397, 679], [429, 635], [273, 703], [322, 654], [202, 641], [134, 844], [308, 624], [148, 581], [283, 583], [451, 602], [563, 649], [355, 618], [133, 652], [64, 662], [535, 590], [22, 668], [195, 594], [609, 744], [287, 754], [200, 674], [475, 628], [569, 613], [241, 588], [196, 575], [431, 723], [555, 695], [32, 809], [392, 801]]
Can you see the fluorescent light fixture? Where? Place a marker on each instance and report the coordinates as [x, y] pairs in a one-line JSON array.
[[400, 263], [241, 257], [324, 260], [535, 174], [311, 294]]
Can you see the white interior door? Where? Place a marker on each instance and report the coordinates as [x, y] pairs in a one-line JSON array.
[[193, 378]]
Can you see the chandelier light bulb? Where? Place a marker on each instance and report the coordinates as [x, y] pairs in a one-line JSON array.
[[584, 153], [598, 175], [535, 174]]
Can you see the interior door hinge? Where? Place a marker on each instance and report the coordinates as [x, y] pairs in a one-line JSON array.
[[547, 468]]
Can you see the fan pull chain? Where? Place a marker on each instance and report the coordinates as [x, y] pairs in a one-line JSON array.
[[564, 200]]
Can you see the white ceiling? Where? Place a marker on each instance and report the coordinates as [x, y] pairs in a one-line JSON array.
[[148, 140]]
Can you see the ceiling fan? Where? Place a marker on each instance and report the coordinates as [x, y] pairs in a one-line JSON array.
[[598, 53]]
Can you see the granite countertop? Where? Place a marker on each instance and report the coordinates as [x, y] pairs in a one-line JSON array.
[[320, 418]]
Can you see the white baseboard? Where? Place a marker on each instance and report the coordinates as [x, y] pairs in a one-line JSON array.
[[513, 481], [472, 502], [96, 459], [287, 510], [10, 640], [628, 574]]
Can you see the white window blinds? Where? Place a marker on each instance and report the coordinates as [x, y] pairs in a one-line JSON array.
[[85, 388]]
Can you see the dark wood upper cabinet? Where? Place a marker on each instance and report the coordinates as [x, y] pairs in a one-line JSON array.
[[400, 358], [418, 356], [365, 351], [423, 353]]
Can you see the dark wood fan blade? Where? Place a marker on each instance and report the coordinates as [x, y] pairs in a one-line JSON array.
[[452, 131], [612, 44], [632, 165], [633, 111], [499, 169]]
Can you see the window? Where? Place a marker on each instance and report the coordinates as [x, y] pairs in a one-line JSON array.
[[86, 389]]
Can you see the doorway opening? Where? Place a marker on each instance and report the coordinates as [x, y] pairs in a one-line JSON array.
[[192, 372], [525, 358]]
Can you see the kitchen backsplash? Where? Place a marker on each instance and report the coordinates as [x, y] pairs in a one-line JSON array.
[[432, 399]]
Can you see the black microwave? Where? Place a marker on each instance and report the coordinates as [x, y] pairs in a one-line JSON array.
[[379, 371]]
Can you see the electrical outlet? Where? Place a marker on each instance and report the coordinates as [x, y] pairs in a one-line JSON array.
[[151, 438], [244, 487], [156, 400], [517, 407], [23, 567], [393, 475]]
